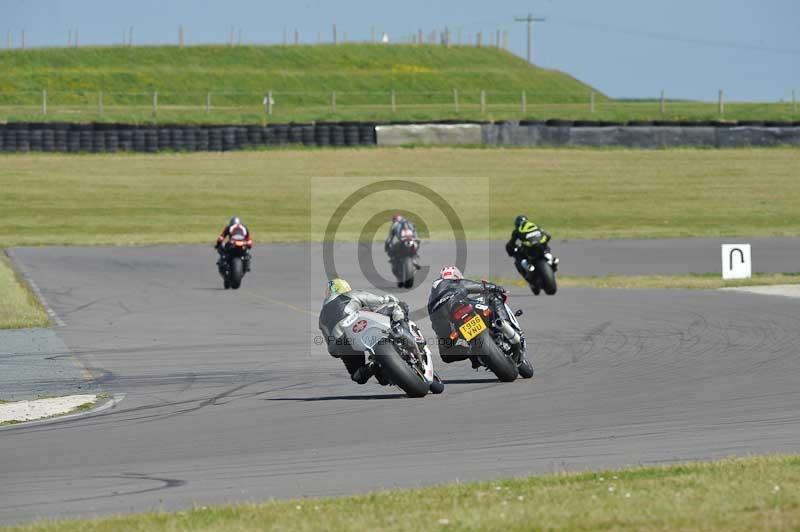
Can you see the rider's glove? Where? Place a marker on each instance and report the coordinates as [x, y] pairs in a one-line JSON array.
[[398, 314], [403, 305]]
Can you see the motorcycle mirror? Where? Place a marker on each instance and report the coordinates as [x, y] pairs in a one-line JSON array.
[[518, 313]]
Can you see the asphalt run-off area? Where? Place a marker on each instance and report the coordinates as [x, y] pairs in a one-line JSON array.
[[227, 397]]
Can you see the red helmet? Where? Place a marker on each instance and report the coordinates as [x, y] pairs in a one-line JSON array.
[[397, 218], [451, 273]]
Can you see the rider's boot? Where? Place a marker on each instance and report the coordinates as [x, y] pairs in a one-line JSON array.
[[475, 362], [362, 374], [552, 259], [379, 376]]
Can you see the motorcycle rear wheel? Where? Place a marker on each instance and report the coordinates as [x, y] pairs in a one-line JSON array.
[[399, 372], [547, 277], [503, 367], [236, 273]]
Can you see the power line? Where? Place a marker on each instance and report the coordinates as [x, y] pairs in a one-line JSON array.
[[672, 37]]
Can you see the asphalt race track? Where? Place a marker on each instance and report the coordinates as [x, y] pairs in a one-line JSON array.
[[227, 398]]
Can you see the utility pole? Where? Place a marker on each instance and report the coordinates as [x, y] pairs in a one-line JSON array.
[[530, 19]]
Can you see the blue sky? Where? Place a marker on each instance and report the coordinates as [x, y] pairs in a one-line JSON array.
[[626, 48]]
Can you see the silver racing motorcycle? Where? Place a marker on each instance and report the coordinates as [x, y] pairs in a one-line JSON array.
[[399, 351]]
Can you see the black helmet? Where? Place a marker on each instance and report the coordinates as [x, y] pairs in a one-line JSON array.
[[519, 220], [233, 221]]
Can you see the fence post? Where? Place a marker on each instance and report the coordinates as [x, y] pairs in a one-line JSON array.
[[44, 101], [100, 103], [497, 39], [524, 103], [269, 103], [394, 101], [296, 36], [77, 36], [180, 36], [8, 39], [483, 101], [505, 39], [69, 37], [591, 102], [478, 40], [333, 101], [208, 103], [455, 99], [721, 103], [155, 103], [663, 106], [23, 38], [335, 37]]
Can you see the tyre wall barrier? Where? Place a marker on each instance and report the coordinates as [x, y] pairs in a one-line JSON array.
[[110, 138]]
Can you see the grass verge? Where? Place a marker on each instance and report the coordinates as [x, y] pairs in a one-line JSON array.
[[573, 193], [694, 281], [19, 308], [732, 494]]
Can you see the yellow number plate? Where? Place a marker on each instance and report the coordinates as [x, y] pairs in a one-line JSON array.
[[472, 328]]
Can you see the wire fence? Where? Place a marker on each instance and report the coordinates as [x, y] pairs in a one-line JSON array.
[[288, 105]]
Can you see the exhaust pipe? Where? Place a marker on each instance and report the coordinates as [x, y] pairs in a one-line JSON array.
[[508, 331]]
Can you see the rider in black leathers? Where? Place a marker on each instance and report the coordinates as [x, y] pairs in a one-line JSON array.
[[451, 285], [400, 225], [525, 235]]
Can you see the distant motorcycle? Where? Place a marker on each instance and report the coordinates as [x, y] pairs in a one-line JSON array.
[[399, 351], [493, 333], [402, 257], [234, 262], [538, 267]]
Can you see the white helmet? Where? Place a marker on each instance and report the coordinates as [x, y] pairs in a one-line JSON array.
[[451, 273]]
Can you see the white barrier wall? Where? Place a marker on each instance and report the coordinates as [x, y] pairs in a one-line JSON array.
[[429, 134], [515, 134]]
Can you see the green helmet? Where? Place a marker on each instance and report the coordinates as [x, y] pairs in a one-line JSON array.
[[519, 220], [337, 287]]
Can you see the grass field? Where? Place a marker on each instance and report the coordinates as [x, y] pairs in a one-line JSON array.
[[19, 308], [117, 84], [186, 198], [735, 494]]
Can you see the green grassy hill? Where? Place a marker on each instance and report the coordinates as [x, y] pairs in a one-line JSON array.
[[302, 79], [350, 67], [228, 84]]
